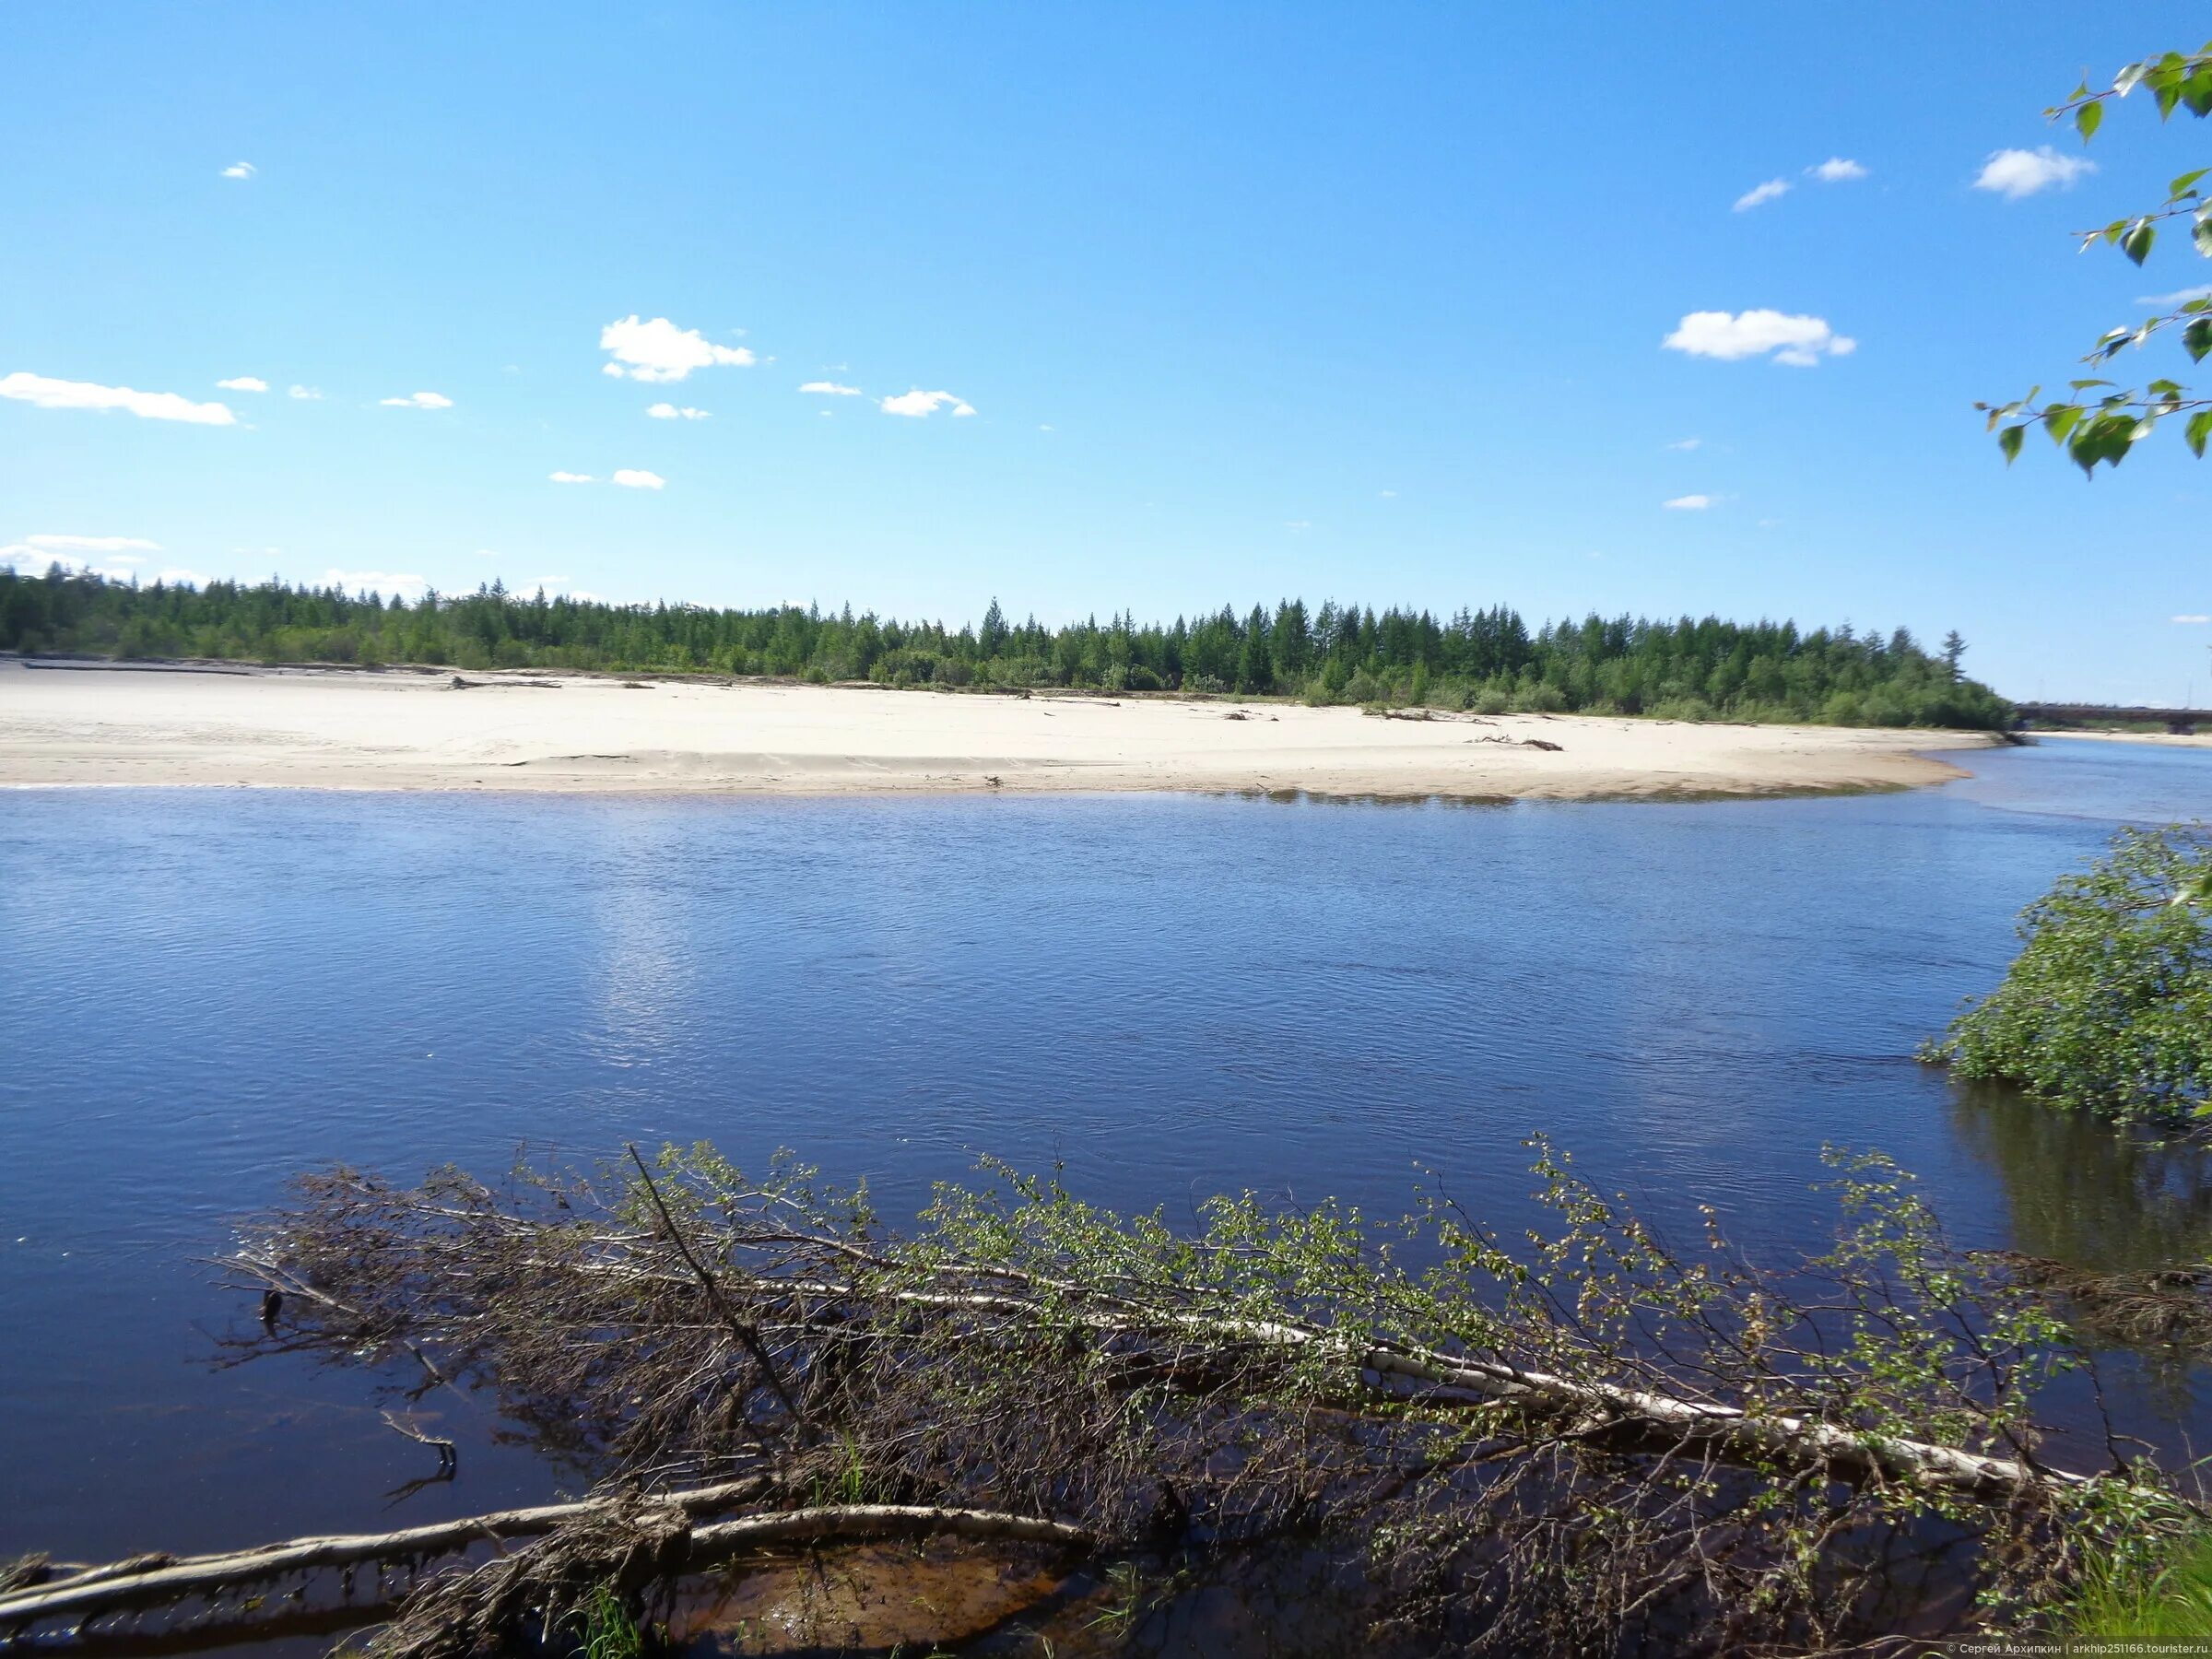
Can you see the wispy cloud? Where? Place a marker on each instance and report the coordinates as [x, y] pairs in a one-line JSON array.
[[2179, 297], [1685, 444], [569, 477], [659, 350], [305, 393], [831, 388], [668, 411], [418, 400], [1836, 170], [1298, 526], [1759, 194], [375, 582], [1690, 504], [2194, 618], [244, 382], [174, 575], [919, 405], [2013, 173], [1799, 341], [96, 544], [631, 477], [239, 170], [44, 394]]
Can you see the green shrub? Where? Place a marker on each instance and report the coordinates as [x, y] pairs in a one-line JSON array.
[[1541, 698], [2109, 1007]]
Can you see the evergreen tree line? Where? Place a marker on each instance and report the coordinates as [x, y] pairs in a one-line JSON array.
[[1488, 661]]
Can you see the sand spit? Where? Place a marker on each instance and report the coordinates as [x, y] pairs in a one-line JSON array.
[[2160, 739], [270, 728]]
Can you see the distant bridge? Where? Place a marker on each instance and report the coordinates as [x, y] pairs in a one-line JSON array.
[[2179, 721]]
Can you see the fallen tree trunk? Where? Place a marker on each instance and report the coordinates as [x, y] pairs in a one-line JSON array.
[[130, 1586], [160, 1581], [1668, 1422]]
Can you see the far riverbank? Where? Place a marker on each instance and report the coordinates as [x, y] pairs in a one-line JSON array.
[[98, 724]]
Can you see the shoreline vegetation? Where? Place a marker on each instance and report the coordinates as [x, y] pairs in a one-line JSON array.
[[2108, 1007], [1485, 662]]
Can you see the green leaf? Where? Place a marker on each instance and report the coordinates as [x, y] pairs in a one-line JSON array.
[[2125, 82], [2137, 242], [2059, 420], [2009, 441], [2182, 185], [2104, 438], [2198, 430], [2196, 92], [2201, 232], [2084, 384], [2087, 119], [2197, 339]]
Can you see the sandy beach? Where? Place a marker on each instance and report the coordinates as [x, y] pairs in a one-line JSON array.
[[93, 725], [2160, 740]]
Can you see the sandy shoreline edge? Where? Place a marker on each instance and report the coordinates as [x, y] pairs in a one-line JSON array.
[[535, 732]]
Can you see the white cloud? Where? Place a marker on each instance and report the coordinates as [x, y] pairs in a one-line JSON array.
[[1798, 341], [176, 574], [418, 400], [1759, 194], [919, 405], [2192, 616], [659, 350], [831, 388], [1836, 170], [1386, 495], [631, 478], [42, 393], [27, 559], [244, 382], [665, 411], [1690, 504], [569, 477], [305, 393], [2013, 173], [1298, 526], [239, 170], [2179, 297], [378, 582], [585, 594], [96, 544], [1685, 444]]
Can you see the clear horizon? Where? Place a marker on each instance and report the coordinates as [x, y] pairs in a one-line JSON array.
[[1155, 310]]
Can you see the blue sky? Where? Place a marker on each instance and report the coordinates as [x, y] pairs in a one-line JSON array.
[[1366, 302]]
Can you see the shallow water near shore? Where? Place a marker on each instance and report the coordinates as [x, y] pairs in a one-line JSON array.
[[202, 993]]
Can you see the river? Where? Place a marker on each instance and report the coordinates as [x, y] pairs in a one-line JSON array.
[[202, 992]]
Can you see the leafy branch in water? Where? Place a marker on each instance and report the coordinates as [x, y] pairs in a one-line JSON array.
[[1573, 1442], [2105, 426]]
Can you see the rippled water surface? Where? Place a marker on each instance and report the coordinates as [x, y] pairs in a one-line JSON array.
[[202, 992]]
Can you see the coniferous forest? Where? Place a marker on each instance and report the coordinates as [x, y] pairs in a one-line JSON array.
[[1488, 661]]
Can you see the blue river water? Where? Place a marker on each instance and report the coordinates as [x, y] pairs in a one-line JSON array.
[[205, 991]]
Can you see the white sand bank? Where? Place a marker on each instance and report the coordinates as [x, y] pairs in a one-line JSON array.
[[405, 731], [2164, 739]]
